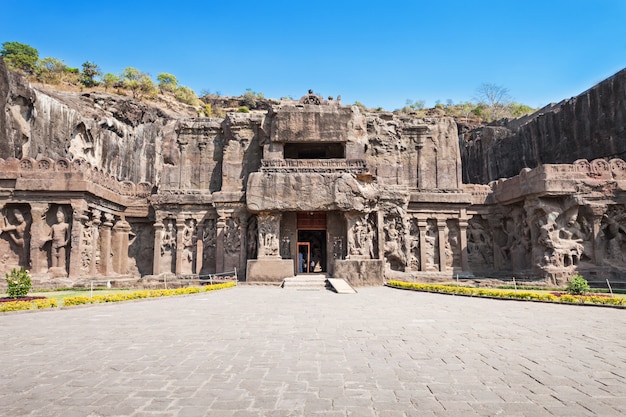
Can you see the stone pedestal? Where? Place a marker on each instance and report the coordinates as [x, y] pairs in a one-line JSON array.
[[269, 270], [360, 272]]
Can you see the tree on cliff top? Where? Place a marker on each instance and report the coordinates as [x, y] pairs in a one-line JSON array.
[[495, 97], [139, 83], [20, 57]]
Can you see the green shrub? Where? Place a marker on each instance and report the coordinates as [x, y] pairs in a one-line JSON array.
[[243, 109], [578, 285], [18, 282]]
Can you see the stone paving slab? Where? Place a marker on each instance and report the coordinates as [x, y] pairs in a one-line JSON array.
[[263, 351]]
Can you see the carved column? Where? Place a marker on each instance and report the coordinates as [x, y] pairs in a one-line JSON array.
[[243, 233], [202, 175], [219, 241], [422, 224], [463, 238], [598, 253], [441, 229], [105, 238], [380, 223], [184, 167], [121, 230], [180, 246], [76, 248], [95, 249], [38, 233], [158, 237], [199, 246]]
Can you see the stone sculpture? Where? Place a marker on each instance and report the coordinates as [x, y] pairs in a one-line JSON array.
[[59, 237]]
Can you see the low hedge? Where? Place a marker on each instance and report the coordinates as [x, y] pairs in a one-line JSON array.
[[28, 305], [136, 295], [518, 295]]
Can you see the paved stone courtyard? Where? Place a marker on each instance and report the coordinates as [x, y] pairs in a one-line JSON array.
[[262, 351]]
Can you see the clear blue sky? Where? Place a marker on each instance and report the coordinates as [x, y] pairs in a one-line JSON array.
[[379, 53]]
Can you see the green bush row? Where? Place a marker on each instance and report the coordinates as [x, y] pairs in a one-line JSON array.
[[28, 305], [519, 295], [112, 298]]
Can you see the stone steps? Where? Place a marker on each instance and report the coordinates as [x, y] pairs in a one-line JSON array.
[[305, 282]]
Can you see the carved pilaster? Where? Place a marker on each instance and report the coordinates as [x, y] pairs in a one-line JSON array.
[[95, 236], [422, 224], [105, 239], [463, 237], [158, 238], [219, 243], [38, 233], [121, 230], [199, 247], [441, 230], [76, 238]]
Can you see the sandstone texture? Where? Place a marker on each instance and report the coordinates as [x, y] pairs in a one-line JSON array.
[[589, 126]]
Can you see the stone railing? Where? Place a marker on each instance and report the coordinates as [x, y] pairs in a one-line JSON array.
[[48, 169], [317, 166]]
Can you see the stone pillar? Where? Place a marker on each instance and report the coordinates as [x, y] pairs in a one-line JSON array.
[[202, 175], [39, 231], [219, 242], [463, 238], [158, 237], [105, 239], [121, 230], [243, 233], [199, 246], [180, 228], [420, 171], [421, 225], [598, 253], [184, 167], [380, 223], [441, 229], [78, 220], [95, 249]]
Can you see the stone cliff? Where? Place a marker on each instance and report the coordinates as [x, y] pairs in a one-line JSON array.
[[588, 126]]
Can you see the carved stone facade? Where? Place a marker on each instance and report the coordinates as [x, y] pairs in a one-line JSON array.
[[309, 186]]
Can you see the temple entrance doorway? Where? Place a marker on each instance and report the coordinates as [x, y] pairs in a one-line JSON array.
[[311, 251], [311, 245]]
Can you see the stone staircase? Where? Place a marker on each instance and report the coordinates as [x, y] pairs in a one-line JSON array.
[[311, 282]]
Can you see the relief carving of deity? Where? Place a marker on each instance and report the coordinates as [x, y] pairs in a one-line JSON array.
[[232, 241]]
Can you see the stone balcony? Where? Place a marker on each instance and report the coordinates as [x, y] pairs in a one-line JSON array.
[[314, 166]]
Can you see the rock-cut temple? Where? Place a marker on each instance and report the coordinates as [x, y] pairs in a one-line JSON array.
[[98, 185]]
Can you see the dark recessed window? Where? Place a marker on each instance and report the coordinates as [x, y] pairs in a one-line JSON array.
[[315, 151]]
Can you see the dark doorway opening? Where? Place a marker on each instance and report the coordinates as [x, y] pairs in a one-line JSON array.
[[311, 251]]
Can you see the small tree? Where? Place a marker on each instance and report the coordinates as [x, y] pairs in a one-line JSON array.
[[20, 57], [578, 285], [18, 282], [90, 71], [109, 80], [51, 70], [495, 97], [186, 95], [167, 82], [139, 83]]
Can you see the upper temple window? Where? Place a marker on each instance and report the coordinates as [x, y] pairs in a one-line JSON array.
[[324, 150]]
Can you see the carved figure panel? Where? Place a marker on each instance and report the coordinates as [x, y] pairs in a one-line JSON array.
[[15, 224], [479, 244], [453, 244], [268, 227], [613, 235], [431, 242], [414, 245], [140, 249], [189, 247], [361, 236], [168, 246], [209, 239], [394, 243], [57, 243], [232, 241]]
